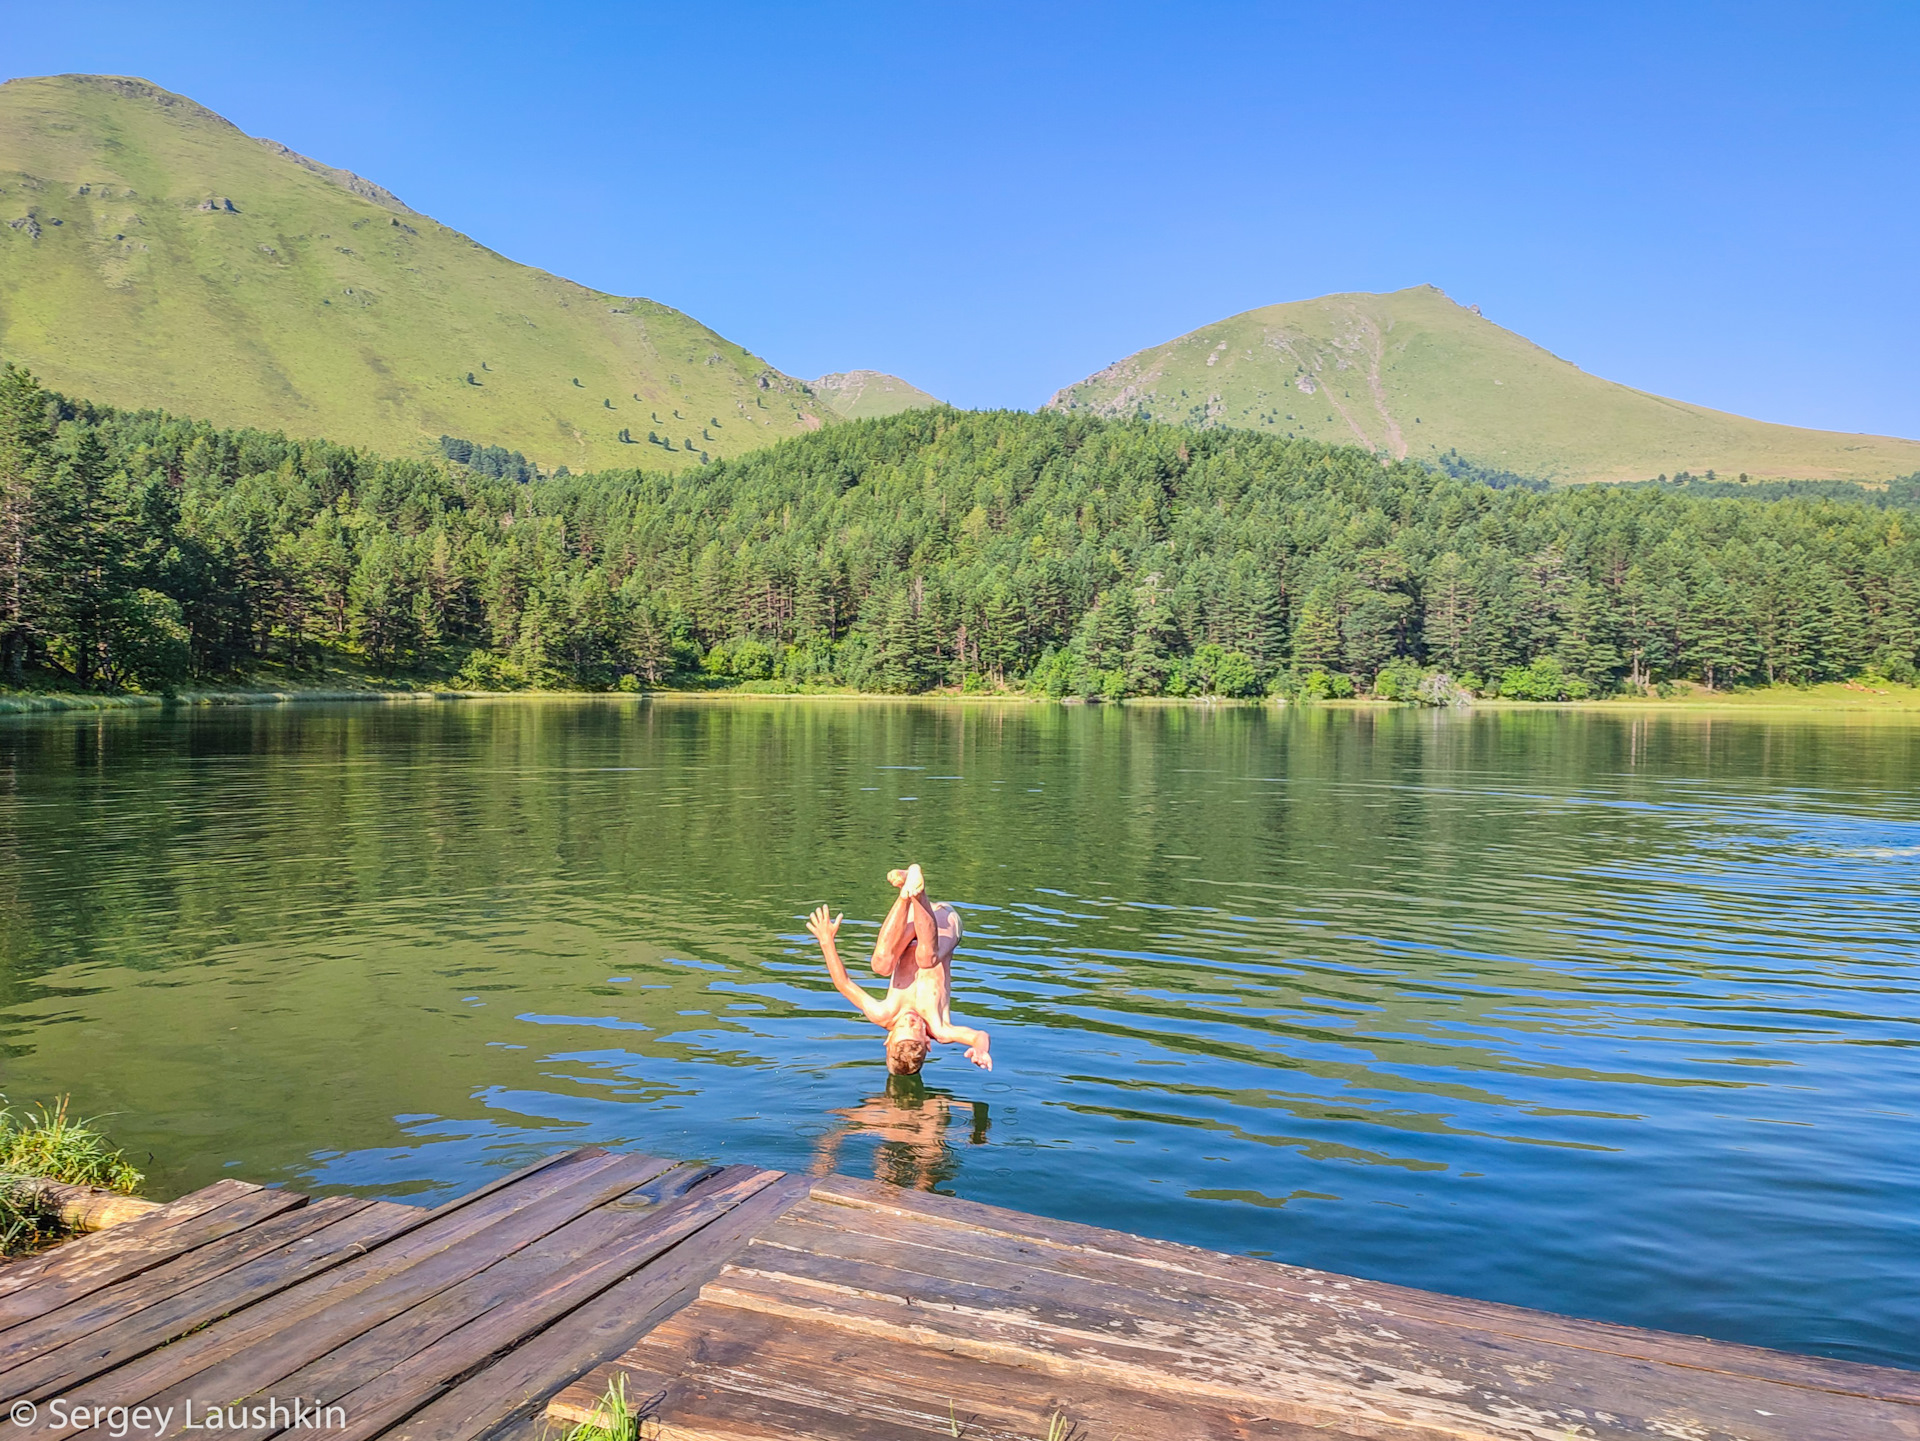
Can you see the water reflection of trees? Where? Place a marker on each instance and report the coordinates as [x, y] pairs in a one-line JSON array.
[[911, 1125]]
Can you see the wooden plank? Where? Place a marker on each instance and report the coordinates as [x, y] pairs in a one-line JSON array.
[[260, 1366], [507, 1306], [87, 1251], [1297, 1363], [970, 1228], [66, 1368], [439, 1231], [605, 1235], [522, 1380], [127, 1298], [575, 1157], [713, 1373], [52, 1292]]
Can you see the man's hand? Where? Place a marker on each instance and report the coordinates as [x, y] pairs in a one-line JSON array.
[[824, 925], [977, 1053]]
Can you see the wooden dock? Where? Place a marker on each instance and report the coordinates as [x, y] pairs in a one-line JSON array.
[[736, 1304]]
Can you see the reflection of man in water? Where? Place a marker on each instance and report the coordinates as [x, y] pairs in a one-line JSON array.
[[911, 1125]]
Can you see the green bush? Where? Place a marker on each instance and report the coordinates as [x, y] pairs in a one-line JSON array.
[[1326, 685], [483, 670], [1399, 680], [1544, 680], [1402, 680], [1236, 676], [1053, 674], [1214, 670], [752, 659], [154, 647], [1889, 665]]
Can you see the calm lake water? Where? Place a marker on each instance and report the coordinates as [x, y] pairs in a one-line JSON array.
[[1608, 1014]]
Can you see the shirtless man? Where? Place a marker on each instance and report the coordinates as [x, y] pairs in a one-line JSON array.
[[915, 952]]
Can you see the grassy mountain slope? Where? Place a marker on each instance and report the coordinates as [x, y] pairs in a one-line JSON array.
[[1414, 375], [151, 254], [861, 394]]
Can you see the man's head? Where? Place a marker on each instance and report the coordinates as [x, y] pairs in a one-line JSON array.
[[907, 1045]]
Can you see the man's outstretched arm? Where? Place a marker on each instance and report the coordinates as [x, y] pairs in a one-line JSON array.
[[824, 927], [975, 1041]]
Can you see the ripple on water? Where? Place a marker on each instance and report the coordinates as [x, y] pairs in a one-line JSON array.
[[1598, 1014]]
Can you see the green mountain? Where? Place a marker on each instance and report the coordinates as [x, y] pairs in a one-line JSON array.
[[858, 394], [151, 254], [1415, 376]]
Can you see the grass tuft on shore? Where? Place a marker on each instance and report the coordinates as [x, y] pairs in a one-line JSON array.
[[616, 1420], [46, 1143]]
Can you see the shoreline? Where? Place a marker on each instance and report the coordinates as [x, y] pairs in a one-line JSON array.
[[1832, 698]]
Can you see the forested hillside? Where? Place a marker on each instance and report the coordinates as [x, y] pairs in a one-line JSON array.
[[931, 548]]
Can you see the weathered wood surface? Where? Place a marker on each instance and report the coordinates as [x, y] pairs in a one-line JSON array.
[[1120, 1335], [714, 1371], [64, 1286], [747, 1305], [483, 1307], [134, 1239], [73, 1361], [523, 1379]]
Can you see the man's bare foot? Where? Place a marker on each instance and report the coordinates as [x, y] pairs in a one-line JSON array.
[[913, 883], [896, 879]]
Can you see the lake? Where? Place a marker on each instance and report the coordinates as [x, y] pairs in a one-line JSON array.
[[1608, 1013]]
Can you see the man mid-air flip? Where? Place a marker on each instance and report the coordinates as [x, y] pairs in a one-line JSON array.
[[915, 952]]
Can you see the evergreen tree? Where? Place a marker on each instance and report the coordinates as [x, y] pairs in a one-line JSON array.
[[25, 453], [1255, 617], [385, 622], [1719, 634], [76, 564], [1150, 654], [1317, 643], [1586, 646], [1449, 613]]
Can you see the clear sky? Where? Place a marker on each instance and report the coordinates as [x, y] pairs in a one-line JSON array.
[[1715, 202]]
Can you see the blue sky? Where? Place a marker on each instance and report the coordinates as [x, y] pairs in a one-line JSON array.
[[1711, 202]]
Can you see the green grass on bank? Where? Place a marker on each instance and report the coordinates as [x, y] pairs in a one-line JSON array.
[[47, 1144], [1852, 695], [334, 673], [1836, 697]]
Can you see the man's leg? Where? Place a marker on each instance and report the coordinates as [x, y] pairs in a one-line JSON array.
[[909, 923], [924, 931], [896, 935]]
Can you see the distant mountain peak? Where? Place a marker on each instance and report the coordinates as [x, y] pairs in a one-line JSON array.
[[130, 87], [861, 394], [1415, 375]]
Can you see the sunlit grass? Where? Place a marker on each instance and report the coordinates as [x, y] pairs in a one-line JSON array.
[[615, 1418]]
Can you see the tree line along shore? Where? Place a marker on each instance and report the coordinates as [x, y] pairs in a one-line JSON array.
[[978, 552]]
